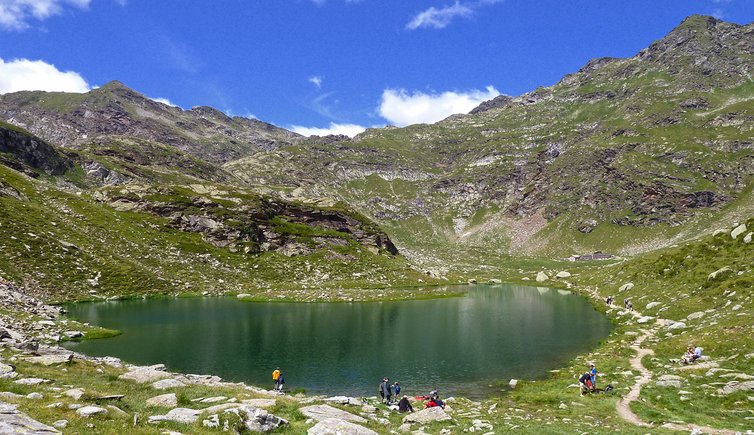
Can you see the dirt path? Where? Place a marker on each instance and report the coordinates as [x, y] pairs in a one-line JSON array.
[[623, 406]]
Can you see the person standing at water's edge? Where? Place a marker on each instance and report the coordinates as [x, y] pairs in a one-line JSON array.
[[276, 377]]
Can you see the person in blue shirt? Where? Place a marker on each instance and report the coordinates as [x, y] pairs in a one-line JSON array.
[[593, 374], [397, 387]]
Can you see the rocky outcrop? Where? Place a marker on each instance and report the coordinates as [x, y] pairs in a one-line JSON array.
[[12, 421], [32, 152]]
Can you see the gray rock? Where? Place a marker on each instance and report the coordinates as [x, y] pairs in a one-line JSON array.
[[345, 400], [334, 426], [652, 305], [166, 400], [513, 383], [14, 422], [212, 399], [7, 371], [495, 281], [747, 239], [49, 360], [260, 403], [737, 231], [323, 412], [427, 416], [676, 325], [35, 396], [74, 393], [625, 287], [178, 415], [644, 319], [31, 381], [669, 384], [259, 420], [60, 424], [542, 277], [164, 384], [212, 421], [88, 411], [695, 316], [719, 272], [144, 375], [563, 274], [670, 378], [733, 386]]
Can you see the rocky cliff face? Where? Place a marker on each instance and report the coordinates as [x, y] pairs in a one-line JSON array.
[[27, 153]]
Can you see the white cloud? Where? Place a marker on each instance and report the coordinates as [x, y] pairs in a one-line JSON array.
[[442, 17], [37, 75], [350, 130], [316, 81], [15, 14], [164, 101], [402, 108]]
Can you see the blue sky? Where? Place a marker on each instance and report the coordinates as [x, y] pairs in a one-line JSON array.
[[327, 63]]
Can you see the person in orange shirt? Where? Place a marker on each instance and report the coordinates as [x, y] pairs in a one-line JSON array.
[[276, 377]]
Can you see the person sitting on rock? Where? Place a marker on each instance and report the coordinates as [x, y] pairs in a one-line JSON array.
[[697, 353], [404, 405], [688, 356], [430, 403]]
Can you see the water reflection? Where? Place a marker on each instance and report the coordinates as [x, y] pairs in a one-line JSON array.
[[458, 344]]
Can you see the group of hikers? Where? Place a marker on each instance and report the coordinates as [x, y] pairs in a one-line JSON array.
[[627, 304], [588, 382], [692, 354]]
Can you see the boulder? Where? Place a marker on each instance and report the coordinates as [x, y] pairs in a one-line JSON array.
[[334, 426], [513, 383], [73, 334], [13, 421], [166, 400], [323, 412], [494, 281], [747, 239], [542, 277], [669, 384], [88, 411], [259, 420], [652, 305], [737, 231], [644, 319], [178, 415], [563, 274], [625, 287], [144, 375], [164, 384], [31, 381], [676, 325], [50, 360], [427, 416], [7, 371]]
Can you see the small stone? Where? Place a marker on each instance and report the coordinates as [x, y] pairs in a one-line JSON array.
[[652, 305], [74, 393], [35, 396], [512, 383], [60, 424], [747, 239], [738, 231], [625, 287]]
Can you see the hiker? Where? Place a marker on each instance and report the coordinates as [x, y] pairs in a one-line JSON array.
[[585, 383], [697, 353], [692, 354], [397, 388], [383, 389], [276, 377], [404, 405], [281, 382], [609, 300], [430, 403], [389, 392], [593, 374], [439, 402]]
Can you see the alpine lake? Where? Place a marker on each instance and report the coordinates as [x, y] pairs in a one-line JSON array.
[[469, 345]]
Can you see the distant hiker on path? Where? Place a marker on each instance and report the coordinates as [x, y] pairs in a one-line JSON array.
[[276, 377], [404, 405], [609, 300]]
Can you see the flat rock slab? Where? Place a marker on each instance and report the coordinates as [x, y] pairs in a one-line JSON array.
[[178, 415], [31, 381], [428, 415], [260, 403], [74, 393], [323, 412], [732, 387], [14, 422], [334, 426], [345, 400], [166, 400], [168, 383], [88, 411], [145, 375], [50, 360]]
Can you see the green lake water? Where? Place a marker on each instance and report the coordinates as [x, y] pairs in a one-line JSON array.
[[461, 345]]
